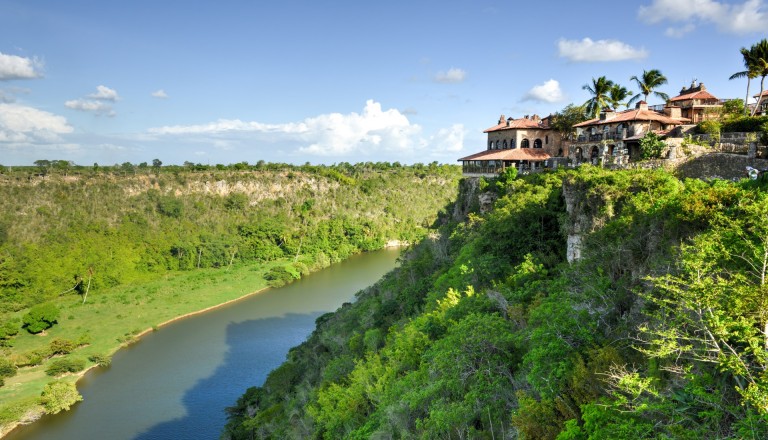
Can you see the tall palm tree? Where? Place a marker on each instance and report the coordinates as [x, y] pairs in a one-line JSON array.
[[600, 90], [618, 95], [759, 57], [648, 82], [750, 73]]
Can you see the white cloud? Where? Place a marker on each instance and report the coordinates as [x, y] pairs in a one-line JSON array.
[[104, 93], [16, 67], [549, 91], [22, 124], [160, 94], [453, 75], [680, 31], [587, 50], [371, 133], [750, 16], [92, 106]]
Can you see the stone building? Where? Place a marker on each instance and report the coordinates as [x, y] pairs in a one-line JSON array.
[[694, 103], [614, 137], [525, 143]]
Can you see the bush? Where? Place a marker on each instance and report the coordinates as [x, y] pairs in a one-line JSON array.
[[59, 396], [651, 146], [8, 330], [61, 346], [7, 368], [101, 360], [63, 366], [747, 124], [41, 317]]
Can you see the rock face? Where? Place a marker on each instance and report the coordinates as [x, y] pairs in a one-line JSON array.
[[471, 199], [583, 216]]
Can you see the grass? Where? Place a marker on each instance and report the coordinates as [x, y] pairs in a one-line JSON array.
[[113, 318]]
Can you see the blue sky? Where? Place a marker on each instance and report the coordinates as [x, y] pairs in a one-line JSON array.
[[326, 82]]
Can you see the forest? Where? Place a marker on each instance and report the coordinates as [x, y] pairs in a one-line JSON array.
[[658, 330], [90, 257]]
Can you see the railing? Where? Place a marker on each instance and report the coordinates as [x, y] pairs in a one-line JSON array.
[[611, 135]]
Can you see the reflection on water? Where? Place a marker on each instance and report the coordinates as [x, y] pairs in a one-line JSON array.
[[177, 381]]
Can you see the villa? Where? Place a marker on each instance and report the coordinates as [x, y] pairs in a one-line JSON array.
[[763, 109], [525, 143], [694, 103]]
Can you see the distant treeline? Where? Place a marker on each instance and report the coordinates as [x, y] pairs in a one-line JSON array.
[[66, 228]]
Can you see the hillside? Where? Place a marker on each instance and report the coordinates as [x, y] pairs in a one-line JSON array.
[[656, 328], [90, 258]]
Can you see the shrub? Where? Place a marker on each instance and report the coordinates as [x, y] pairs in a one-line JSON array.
[[61, 346], [101, 360], [747, 124], [59, 396], [7, 368], [41, 317], [66, 365], [651, 146]]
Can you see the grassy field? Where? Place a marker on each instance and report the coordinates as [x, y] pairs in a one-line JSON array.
[[113, 318]]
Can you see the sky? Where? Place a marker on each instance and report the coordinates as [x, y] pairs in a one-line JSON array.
[[336, 81]]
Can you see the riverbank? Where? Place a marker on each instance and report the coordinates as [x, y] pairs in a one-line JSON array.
[[122, 316]]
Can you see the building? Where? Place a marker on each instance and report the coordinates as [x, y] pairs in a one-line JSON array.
[[525, 143], [614, 137], [762, 110], [694, 103]]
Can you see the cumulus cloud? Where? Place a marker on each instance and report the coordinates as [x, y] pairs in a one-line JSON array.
[[160, 94], [97, 103], [373, 131], [104, 93], [22, 124], [16, 67], [452, 75], [750, 16], [92, 106], [587, 50], [549, 91]]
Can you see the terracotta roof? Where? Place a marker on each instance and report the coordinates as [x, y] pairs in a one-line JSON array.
[[701, 94], [514, 154], [516, 124], [632, 115], [765, 93]]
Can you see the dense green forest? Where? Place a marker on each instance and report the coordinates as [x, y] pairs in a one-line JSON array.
[[658, 330], [90, 257]]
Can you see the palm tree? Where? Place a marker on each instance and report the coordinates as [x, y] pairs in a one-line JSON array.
[[759, 58], [750, 73], [600, 90], [648, 82], [617, 96]]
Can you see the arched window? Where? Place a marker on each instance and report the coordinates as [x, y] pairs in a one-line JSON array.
[[537, 143], [525, 144], [512, 144], [505, 144], [490, 145]]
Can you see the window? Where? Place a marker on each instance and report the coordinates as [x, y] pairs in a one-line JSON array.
[[546, 139], [525, 144], [505, 144], [537, 143]]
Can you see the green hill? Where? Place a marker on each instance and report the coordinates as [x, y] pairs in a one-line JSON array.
[[657, 328]]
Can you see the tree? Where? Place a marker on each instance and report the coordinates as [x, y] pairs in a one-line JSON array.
[[59, 396], [750, 73], [564, 120], [156, 163], [618, 95], [759, 63], [600, 90], [651, 146], [648, 82], [41, 317]]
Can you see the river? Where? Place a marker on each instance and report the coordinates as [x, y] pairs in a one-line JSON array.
[[176, 382]]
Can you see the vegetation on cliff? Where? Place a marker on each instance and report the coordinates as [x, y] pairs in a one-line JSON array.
[[658, 330], [91, 257]]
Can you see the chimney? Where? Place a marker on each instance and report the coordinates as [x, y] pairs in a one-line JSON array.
[[501, 119], [642, 105], [606, 113]]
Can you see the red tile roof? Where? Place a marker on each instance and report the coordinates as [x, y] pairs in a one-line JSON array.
[[765, 93], [535, 155], [516, 124], [701, 94], [633, 115]]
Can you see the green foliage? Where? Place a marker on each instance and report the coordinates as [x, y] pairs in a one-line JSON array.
[[65, 365], [564, 120], [59, 396], [7, 368], [749, 124], [656, 332], [41, 317], [100, 359], [61, 346], [8, 330], [651, 146]]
